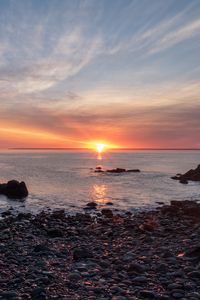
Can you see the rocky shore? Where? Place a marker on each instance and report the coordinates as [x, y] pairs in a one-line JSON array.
[[149, 255]]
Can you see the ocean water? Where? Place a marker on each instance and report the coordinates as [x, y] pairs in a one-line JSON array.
[[66, 179]]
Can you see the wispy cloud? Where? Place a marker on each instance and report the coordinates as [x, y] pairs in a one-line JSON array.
[[71, 54], [93, 68], [173, 38], [156, 35]]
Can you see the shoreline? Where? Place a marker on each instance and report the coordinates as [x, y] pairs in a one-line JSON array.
[[147, 255]]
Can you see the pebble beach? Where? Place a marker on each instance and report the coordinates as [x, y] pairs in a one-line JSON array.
[[101, 256]]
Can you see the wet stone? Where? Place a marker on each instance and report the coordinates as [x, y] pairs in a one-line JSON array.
[[140, 279], [147, 294], [74, 276]]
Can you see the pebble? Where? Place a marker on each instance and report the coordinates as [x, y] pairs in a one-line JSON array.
[[74, 276], [140, 279], [147, 294], [103, 257]]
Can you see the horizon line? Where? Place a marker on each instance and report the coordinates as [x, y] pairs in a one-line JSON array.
[[81, 148]]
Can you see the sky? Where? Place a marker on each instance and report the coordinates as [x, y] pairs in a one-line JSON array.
[[121, 72]]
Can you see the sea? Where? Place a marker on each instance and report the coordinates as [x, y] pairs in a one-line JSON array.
[[66, 179]]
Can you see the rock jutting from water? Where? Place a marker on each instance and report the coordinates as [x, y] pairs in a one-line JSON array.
[[116, 170], [14, 189], [193, 175], [146, 255]]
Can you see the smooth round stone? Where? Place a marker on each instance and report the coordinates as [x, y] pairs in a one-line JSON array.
[[162, 297], [177, 295], [147, 294], [116, 289], [120, 298], [140, 279], [9, 295], [194, 274], [74, 276], [173, 286], [194, 294]]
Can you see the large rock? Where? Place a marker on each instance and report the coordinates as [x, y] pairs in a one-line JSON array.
[[185, 207], [116, 170], [193, 175], [14, 189]]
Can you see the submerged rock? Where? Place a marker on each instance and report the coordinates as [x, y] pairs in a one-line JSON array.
[[14, 189]]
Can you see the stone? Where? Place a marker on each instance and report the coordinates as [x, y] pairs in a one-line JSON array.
[[54, 233], [147, 294], [91, 205], [8, 295], [40, 248], [80, 253], [194, 251], [194, 274], [135, 267], [140, 279], [193, 175], [74, 276], [107, 213], [117, 170], [14, 189], [184, 181]]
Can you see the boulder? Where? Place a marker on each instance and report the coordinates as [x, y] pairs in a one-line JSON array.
[[91, 205], [14, 189], [121, 170], [186, 207], [98, 169], [116, 170], [193, 175]]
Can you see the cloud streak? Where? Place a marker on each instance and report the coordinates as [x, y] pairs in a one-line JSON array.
[[121, 70]]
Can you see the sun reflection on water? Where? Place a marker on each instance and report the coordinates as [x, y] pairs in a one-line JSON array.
[[99, 157], [100, 193]]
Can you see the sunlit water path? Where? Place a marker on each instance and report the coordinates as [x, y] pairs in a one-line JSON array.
[[65, 179]]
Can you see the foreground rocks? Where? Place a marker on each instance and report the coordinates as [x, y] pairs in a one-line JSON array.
[[117, 170], [14, 189], [193, 175], [150, 255]]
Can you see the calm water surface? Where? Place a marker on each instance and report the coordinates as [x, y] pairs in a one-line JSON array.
[[64, 179]]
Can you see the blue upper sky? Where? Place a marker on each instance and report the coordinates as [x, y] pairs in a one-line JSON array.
[[130, 68]]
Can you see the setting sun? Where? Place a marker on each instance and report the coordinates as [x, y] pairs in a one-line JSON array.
[[100, 147]]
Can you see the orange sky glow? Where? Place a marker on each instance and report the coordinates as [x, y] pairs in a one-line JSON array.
[[78, 73]]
